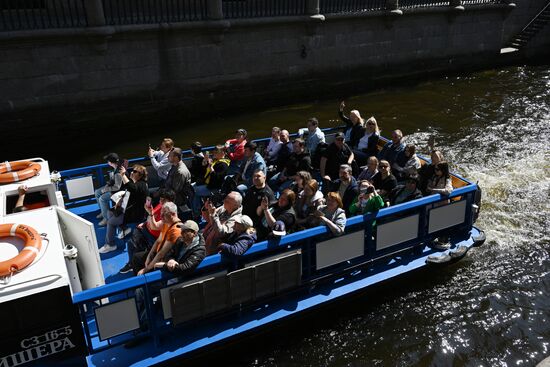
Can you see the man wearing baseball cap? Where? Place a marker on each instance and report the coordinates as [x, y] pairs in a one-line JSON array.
[[188, 251], [242, 238]]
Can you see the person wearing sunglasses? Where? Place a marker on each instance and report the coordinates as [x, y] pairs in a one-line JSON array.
[[368, 144], [385, 182]]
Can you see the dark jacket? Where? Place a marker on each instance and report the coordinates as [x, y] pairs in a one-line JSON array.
[[237, 244], [335, 157], [197, 169], [135, 211], [285, 152], [298, 162], [416, 194], [372, 147], [217, 176], [357, 131], [253, 199], [351, 192], [387, 184], [188, 258], [393, 153]]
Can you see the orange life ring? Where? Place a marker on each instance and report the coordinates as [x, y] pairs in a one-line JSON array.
[[33, 244], [18, 171]]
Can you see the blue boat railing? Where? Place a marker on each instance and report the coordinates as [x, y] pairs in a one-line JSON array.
[[309, 242], [99, 172]]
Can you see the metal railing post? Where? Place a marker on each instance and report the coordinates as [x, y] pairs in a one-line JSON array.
[[312, 7], [214, 9], [94, 13]]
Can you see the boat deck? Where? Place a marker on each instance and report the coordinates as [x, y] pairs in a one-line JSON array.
[[112, 261]]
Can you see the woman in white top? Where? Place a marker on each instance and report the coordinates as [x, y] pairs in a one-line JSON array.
[[368, 144]]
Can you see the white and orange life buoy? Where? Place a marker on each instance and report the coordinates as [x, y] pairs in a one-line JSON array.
[[18, 171], [33, 244]]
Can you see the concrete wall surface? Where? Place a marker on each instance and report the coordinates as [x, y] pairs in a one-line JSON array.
[[230, 64]]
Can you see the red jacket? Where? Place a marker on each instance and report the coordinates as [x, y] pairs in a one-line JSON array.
[[238, 152]]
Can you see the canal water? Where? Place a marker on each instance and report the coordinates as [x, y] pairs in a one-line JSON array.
[[493, 307], [490, 309]]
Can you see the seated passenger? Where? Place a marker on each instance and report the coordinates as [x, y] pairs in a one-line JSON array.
[[286, 150], [441, 182], [368, 200], [299, 160], [394, 151], [407, 192], [235, 150], [220, 221], [103, 194], [337, 154], [216, 170], [254, 196], [271, 152], [346, 186], [370, 172], [188, 251], [300, 180], [314, 137], [409, 167], [242, 238], [332, 215], [179, 178], [309, 200], [368, 144], [146, 233], [159, 159], [136, 187], [145, 261], [282, 213], [385, 182], [355, 126], [253, 162], [197, 168], [427, 171]]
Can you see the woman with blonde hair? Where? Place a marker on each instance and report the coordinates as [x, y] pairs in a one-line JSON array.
[[355, 126], [368, 144]]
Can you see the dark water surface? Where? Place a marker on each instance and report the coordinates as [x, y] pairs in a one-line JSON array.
[[490, 309]]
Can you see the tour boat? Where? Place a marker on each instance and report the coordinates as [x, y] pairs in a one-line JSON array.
[[70, 306]]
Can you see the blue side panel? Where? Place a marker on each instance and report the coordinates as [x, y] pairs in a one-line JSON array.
[[207, 333]]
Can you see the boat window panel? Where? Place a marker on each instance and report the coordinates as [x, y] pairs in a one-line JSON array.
[[397, 231], [165, 293], [80, 187], [241, 286], [290, 271], [447, 216], [340, 249], [117, 318], [35, 198]]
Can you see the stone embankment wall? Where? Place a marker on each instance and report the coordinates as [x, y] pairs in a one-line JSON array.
[[76, 74]]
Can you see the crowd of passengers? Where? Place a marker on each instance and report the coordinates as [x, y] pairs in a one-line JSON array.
[[227, 199]]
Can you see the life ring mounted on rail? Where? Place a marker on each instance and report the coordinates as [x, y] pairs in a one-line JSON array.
[[33, 244], [18, 171]]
